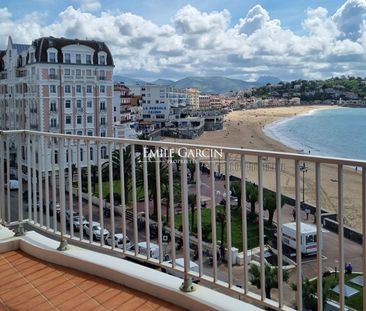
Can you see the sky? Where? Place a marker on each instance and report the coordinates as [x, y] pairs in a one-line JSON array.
[[172, 39]]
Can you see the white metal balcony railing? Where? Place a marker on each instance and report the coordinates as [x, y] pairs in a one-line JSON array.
[[45, 186]]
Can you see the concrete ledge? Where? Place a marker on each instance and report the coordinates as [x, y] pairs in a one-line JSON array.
[[153, 282]]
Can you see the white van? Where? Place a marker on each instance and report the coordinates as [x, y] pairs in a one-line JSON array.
[[13, 184], [154, 249], [308, 236]]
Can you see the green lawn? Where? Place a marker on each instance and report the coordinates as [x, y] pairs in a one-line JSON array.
[[355, 301], [236, 228], [116, 189]]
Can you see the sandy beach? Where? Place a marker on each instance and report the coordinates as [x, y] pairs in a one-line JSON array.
[[244, 129]]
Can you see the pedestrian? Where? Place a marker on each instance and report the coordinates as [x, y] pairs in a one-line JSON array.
[[307, 211], [294, 214]]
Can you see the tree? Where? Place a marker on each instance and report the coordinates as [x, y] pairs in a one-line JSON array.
[[116, 163], [269, 204], [152, 180], [192, 169], [165, 195], [309, 291], [94, 172], [271, 280], [235, 188], [176, 159], [252, 196], [221, 218], [192, 203]]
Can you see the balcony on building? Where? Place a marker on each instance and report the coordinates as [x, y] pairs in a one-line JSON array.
[[21, 73]]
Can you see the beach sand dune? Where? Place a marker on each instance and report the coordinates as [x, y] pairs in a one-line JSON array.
[[244, 129]]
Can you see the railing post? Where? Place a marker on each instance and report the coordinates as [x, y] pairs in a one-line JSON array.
[[187, 285], [364, 233], [20, 229], [2, 182], [299, 279], [61, 170]]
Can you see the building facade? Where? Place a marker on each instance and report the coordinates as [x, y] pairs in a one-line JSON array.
[[161, 103], [193, 98], [204, 102], [57, 85], [122, 118]]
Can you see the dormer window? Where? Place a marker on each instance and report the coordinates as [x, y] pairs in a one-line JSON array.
[[67, 58], [101, 59], [52, 57], [88, 59]]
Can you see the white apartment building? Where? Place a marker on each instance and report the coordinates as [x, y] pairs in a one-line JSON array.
[[193, 98], [57, 85], [161, 103], [122, 120]]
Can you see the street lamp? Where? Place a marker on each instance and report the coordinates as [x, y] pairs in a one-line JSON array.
[[303, 169]]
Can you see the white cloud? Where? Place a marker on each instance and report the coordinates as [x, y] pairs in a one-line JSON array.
[[255, 20], [204, 43], [90, 5], [189, 20], [350, 18], [4, 14]]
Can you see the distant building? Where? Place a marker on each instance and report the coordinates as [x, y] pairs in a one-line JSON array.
[[58, 85], [216, 102], [193, 98], [123, 123], [161, 103], [204, 102]]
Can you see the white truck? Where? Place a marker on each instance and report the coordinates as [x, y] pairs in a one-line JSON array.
[[308, 236]]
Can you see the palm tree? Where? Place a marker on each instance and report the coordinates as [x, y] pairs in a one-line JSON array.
[[235, 188], [271, 280], [221, 218], [152, 180], [192, 169], [94, 172], [116, 168], [192, 203], [252, 196], [165, 195], [309, 291], [176, 159], [269, 204]]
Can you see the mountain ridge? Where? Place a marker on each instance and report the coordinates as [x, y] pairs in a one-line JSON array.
[[206, 84]]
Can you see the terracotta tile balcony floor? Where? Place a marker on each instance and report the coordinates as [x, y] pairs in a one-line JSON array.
[[27, 283]]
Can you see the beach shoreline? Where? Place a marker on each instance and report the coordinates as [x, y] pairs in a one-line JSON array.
[[245, 129]]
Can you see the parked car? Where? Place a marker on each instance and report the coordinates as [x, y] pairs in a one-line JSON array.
[[118, 241], [77, 222], [154, 249], [58, 209], [96, 229], [13, 184], [179, 262]]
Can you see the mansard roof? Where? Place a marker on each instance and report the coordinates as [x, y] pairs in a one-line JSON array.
[[41, 46]]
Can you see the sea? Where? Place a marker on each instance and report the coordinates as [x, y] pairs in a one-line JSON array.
[[339, 132]]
